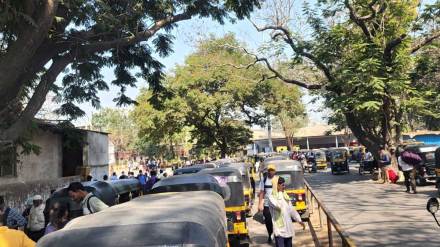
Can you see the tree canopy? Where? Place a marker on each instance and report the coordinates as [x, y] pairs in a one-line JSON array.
[[217, 100], [365, 52], [40, 39], [116, 122]]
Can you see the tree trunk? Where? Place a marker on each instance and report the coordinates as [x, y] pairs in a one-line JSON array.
[[269, 133]]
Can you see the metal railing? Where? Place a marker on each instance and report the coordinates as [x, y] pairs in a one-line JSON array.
[[331, 221]]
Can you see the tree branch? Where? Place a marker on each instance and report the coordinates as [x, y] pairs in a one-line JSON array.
[[22, 50], [274, 71], [425, 41], [391, 45], [300, 51], [360, 21], [38, 97], [141, 36]]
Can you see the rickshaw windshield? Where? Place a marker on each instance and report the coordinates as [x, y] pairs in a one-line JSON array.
[[338, 155], [294, 179], [319, 155]]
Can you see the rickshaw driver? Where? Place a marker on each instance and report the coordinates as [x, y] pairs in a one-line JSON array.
[[263, 203]]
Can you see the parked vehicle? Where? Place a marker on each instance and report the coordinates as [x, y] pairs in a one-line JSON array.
[[249, 194], [235, 207], [320, 157], [339, 161], [426, 169], [293, 173], [153, 220]]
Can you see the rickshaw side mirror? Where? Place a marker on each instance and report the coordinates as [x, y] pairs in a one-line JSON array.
[[433, 205]]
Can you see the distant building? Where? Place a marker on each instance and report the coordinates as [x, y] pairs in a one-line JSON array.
[[315, 135], [66, 154]]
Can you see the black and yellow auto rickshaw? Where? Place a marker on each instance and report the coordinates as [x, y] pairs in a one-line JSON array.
[[195, 218], [320, 159], [339, 161], [427, 168], [293, 173], [235, 207], [249, 194]]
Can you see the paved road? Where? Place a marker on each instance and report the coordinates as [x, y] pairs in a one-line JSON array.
[[377, 214]]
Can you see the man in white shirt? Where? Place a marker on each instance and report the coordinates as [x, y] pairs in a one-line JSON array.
[[90, 203], [409, 173], [263, 205], [36, 223]]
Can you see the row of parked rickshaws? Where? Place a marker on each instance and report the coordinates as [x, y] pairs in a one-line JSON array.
[[202, 205]]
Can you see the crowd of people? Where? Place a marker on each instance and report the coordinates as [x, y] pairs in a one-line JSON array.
[[38, 218]]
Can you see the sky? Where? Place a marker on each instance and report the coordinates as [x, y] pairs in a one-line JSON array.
[[186, 35]]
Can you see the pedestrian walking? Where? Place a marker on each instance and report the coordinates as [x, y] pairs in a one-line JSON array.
[[37, 221], [123, 176], [263, 205], [114, 176], [14, 238], [59, 216], [10, 217], [282, 214], [89, 202], [153, 179], [384, 164], [143, 181]]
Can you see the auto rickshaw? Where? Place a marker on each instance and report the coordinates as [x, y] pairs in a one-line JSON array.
[[321, 161], [168, 219], [188, 182], [293, 174], [427, 169], [249, 193], [339, 160], [235, 207]]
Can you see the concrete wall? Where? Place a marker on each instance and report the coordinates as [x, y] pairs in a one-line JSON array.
[[46, 165], [96, 154], [17, 193]]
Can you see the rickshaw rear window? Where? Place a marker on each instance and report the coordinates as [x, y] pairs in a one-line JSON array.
[[293, 180]]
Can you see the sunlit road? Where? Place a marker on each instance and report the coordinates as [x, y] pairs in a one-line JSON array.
[[377, 214]]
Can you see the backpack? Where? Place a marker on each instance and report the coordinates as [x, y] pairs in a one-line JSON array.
[[88, 203], [411, 158]]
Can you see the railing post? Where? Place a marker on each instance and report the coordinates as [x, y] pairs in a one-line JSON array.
[[320, 218], [329, 232]]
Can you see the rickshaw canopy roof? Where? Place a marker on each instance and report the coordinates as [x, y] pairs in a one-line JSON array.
[[224, 171], [286, 165], [187, 170], [421, 148], [188, 182], [167, 219], [240, 166]]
